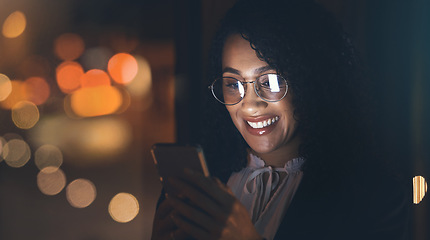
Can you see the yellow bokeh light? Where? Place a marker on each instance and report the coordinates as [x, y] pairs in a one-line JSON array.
[[142, 82], [419, 188], [96, 101], [14, 25], [16, 153], [124, 207], [69, 46], [5, 87], [25, 115], [123, 68], [48, 156], [51, 180], [81, 193]]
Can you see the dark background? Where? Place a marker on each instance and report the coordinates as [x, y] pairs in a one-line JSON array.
[[392, 36]]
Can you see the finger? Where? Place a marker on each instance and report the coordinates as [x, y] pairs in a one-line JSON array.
[[215, 189], [179, 235], [198, 198], [191, 229], [164, 209], [198, 217]]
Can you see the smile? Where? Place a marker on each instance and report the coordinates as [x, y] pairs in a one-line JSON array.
[[264, 123]]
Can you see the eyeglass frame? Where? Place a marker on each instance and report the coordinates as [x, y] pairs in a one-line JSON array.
[[211, 87]]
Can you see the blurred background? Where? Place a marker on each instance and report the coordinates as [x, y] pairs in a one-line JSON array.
[[86, 88]]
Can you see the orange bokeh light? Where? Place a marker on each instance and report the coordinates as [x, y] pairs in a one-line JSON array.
[[38, 90], [123, 68], [19, 93], [94, 78], [69, 46], [68, 76], [14, 25], [96, 101]]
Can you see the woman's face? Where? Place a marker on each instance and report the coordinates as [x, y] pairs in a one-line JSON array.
[[240, 61]]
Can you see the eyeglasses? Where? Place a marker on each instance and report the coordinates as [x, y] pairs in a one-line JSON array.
[[230, 91]]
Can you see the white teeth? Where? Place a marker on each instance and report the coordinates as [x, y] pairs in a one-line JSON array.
[[264, 123]]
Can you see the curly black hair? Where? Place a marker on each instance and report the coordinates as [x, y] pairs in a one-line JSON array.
[[304, 43]]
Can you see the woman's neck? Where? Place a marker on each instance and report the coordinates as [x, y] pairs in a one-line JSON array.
[[280, 156]]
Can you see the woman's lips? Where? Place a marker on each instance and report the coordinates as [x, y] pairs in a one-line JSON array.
[[261, 126]]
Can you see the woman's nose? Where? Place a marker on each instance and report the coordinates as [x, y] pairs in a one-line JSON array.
[[251, 102]]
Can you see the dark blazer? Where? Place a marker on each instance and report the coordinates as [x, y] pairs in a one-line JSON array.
[[369, 208]]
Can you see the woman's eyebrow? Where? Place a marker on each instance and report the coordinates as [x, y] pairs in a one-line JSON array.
[[263, 69], [231, 70], [257, 71]]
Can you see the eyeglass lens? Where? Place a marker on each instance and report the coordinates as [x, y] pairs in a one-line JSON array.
[[270, 87]]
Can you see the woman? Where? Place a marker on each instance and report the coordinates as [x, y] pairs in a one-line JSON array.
[[289, 145]]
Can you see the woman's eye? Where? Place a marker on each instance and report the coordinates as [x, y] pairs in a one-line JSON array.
[[231, 84]]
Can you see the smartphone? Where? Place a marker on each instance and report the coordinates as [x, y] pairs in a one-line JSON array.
[[171, 159]]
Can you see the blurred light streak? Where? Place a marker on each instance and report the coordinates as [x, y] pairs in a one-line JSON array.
[[14, 25], [51, 180], [85, 142], [69, 46], [16, 153], [122, 68], [18, 94], [5, 87], [68, 76], [95, 78], [81, 193], [124, 207], [419, 188], [96, 58], [142, 82], [48, 156], [38, 90], [96, 101], [25, 114]]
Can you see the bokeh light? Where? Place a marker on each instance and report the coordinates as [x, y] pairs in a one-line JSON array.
[[25, 115], [81, 193], [5, 87], [142, 82], [124, 207], [68, 76], [48, 156], [51, 180], [85, 142], [18, 94], [69, 46], [419, 188], [95, 78], [122, 68], [96, 101], [37, 89], [16, 153], [2, 143], [96, 58], [14, 25]]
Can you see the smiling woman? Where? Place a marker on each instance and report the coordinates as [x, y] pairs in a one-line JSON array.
[[294, 157]]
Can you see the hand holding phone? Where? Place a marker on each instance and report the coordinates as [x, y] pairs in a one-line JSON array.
[[171, 160]]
